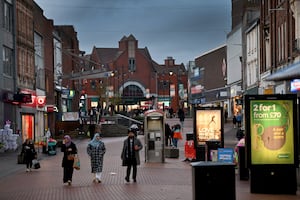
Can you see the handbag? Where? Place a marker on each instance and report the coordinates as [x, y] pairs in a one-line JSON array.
[[71, 157], [36, 164], [76, 164]]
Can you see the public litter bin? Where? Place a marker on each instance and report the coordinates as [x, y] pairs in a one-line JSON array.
[[200, 152], [212, 148], [213, 180], [243, 170]]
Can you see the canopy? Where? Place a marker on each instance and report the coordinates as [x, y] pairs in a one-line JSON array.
[[288, 73]]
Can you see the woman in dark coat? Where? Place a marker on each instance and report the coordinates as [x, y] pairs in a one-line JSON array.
[[96, 150], [130, 154], [29, 153], [69, 149]]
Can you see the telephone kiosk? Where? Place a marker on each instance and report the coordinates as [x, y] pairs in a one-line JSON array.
[[154, 136]]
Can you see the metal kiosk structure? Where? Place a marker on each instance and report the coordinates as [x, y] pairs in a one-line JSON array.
[[154, 136]]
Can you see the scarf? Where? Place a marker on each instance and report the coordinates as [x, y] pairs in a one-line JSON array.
[[130, 150], [94, 142], [68, 143]]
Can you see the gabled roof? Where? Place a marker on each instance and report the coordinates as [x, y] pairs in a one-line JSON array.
[[108, 55]]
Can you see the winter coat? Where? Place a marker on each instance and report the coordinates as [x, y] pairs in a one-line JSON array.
[[72, 149], [125, 151], [29, 151], [96, 154]]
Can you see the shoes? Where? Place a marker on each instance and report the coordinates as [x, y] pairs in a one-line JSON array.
[[127, 179], [96, 180], [69, 182], [27, 170]]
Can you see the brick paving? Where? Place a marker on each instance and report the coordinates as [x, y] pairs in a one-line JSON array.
[[171, 180]]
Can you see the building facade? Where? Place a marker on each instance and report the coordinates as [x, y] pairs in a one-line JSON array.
[[212, 70], [8, 63], [134, 80]]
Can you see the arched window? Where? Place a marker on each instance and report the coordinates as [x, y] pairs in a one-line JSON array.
[[132, 91]]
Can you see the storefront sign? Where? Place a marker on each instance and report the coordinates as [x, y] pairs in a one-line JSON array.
[[41, 101]]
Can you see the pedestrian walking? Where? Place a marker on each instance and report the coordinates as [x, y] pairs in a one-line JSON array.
[[130, 154], [239, 119], [234, 121], [29, 153], [168, 133], [96, 150], [176, 135], [70, 150], [181, 116]]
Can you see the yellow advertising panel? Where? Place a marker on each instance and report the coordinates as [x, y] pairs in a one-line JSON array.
[[271, 131]]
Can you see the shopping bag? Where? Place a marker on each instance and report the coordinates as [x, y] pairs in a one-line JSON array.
[[21, 159], [36, 164], [76, 164], [71, 157]]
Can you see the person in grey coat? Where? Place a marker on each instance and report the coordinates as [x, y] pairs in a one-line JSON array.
[[96, 150], [130, 154]]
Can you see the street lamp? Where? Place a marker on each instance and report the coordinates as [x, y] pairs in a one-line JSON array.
[[82, 105]]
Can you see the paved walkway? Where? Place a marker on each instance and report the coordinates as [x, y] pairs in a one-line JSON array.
[[171, 180]]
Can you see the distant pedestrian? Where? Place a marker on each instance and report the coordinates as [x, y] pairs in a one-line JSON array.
[[70, 150], [181, 116], [239, 120], [176, 135], [168, 134], [234, 121], [29, 153], [171, 112], [96, 150], [130, 154]]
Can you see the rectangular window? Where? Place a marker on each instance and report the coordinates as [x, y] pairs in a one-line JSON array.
[[39, 61], [7, 61], [131, 64], [7, 16]]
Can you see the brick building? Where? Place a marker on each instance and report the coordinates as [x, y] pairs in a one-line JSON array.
[[133, 79]]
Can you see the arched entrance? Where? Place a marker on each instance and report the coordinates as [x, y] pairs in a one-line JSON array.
[[132, 93]]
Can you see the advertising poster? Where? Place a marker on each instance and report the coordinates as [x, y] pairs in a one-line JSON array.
[[208, 125], [271, 127]]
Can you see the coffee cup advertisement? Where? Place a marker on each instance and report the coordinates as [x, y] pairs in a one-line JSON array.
[[272, 131]]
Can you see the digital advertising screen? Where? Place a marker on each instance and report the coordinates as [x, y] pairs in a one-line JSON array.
[[208, 124], [271, 127]]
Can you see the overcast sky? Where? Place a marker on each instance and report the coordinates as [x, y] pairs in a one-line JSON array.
[[183, 29]]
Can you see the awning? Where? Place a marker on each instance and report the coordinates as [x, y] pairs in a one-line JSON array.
[[288, 73]]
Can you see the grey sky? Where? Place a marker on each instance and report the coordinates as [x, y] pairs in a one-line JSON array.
[[183, 29]]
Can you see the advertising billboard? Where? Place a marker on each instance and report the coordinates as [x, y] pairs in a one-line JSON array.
[[270, 129], [208, 124]]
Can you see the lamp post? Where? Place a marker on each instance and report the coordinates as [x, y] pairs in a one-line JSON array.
[[82, 107]]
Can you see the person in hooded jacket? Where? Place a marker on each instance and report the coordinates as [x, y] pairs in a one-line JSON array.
[[96, 150], [70, 150], [130, 154]]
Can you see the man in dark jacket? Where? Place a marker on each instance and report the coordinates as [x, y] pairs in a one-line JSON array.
[[130, 154]]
